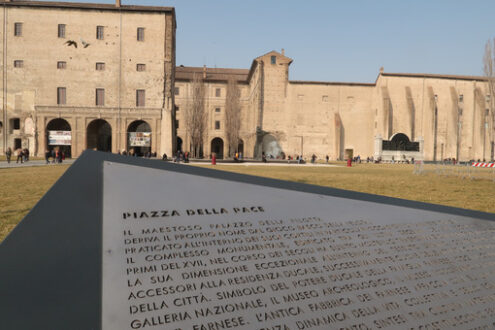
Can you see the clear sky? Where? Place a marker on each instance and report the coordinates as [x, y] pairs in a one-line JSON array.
[[346, 40]]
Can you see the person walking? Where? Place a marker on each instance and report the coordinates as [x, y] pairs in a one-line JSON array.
[[8, 154], [327, 158], [19, 156]]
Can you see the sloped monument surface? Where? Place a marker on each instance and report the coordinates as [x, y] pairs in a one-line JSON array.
[[124, 243]]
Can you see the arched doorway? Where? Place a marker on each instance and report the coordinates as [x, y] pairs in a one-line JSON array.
[[400, 142], [139, 138], [59, 136], [179, 144], [217, 147], [99, 135]]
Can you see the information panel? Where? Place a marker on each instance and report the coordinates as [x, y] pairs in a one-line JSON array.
[[189, 252], [59, 138], [140, 139]]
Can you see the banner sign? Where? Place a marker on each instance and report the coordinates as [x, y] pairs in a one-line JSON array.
[[59, 138], [140, 139]]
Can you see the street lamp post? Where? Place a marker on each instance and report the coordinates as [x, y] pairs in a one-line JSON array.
[[485, 125], [435, 128]]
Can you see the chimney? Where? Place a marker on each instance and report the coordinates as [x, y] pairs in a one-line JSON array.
[[204, 71], [117, 3], [283, 52]]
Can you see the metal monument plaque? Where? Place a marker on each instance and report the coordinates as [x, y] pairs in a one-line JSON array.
[[187, 252], [126, 243]]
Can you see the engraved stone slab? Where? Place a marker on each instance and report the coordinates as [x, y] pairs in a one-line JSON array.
[[126, 243], [189, 252]]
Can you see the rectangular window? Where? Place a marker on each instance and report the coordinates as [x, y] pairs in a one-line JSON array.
[[273, 59], [17, 29], [217, 109], [16, 123], [61, 95], [176, 109], [18, 64], [100, 32], [140, 67], [217, 124], [61, 30], [140, 34], [140, 94], [100, 97], [61, 65], [100, 66], [217, 92], [177, 90]]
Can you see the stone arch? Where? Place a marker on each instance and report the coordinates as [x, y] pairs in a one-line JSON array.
[[139, 137], [99, 135], [217, 147], [400, 142], [271, 147], [59, 136]]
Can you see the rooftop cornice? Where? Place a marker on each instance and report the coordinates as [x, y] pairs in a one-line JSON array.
[[86, 6]]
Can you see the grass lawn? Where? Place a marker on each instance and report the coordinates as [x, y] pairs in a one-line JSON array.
[[394, 180], [21, 188]]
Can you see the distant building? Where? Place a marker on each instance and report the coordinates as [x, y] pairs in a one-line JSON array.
[[404, 116], [78, 76]]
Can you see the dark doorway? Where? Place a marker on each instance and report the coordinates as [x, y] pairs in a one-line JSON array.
[[240, 148], [99, 135], [217, 147], [17, 144], [179, 144], [139, 138], [59, 136]]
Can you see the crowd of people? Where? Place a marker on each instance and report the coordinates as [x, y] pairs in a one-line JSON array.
[[133, 153], [21, 154], [57, 156]]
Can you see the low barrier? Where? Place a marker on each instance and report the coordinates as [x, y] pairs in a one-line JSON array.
[[483, 165], [463, 171]]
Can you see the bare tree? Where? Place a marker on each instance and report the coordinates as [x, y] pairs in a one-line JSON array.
[[196, 115], [232, 115], [489, 72]]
